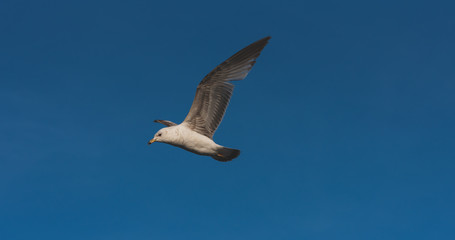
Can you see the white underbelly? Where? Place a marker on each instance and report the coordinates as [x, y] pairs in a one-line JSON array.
[[198, 143]]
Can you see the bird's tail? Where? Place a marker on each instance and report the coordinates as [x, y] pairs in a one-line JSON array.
[[225, 154]]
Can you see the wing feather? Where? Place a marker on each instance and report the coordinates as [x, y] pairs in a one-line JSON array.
[[215, 90]]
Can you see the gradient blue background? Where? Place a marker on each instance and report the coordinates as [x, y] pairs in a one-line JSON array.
[[346, 123]]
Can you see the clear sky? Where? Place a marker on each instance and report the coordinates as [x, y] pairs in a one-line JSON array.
[[346, 122]]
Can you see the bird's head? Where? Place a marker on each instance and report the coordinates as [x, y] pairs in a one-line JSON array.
[[163, 135]]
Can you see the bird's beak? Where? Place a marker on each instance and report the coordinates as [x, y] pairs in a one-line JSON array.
[[152, 141]]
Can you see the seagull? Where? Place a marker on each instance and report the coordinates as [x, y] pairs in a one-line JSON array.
[[195, 133]]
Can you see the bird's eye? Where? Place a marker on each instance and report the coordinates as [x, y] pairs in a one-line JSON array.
[[159, 134]]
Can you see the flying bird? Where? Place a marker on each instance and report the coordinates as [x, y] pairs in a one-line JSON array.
[[195, 133]]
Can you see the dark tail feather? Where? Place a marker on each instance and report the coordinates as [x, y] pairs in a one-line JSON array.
[[226, 154]]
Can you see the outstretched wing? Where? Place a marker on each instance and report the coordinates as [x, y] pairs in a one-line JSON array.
[[166, 122], [215, 90]]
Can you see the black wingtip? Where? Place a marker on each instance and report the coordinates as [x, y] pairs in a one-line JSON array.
[[261, 41]]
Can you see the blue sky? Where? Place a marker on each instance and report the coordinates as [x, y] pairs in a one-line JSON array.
[[346, 122]]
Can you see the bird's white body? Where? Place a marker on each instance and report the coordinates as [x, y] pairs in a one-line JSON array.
[[183, 137]]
